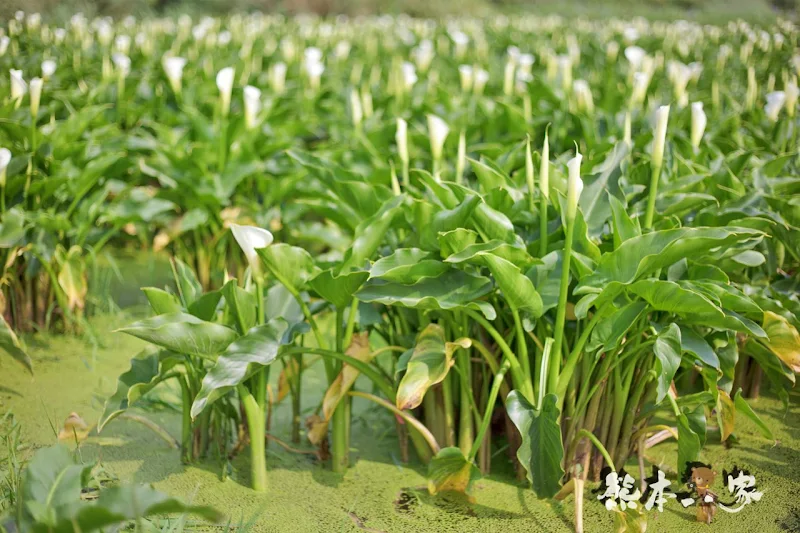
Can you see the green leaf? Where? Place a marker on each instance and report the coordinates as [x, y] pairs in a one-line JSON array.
[[189, 287], [475, 253], [242, 305], [370, 233], [12, 346], [452, 290], [639, 256], [147, 370], [429, 364], [449, 470], [293, 267], [608, 333], [744, 408], [183, 333], [599, 187], [517, 288], [453, 242], [338, 290], [257, 349], [162, 301], [542, 450], [12, 227], [668, 358], [407, 266], [205, 307], [694, 343], [624, 227], [688, 443]]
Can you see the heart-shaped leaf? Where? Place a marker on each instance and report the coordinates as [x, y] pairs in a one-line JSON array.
[[183, 333], [668, 358], [293, 267], [338, 290]]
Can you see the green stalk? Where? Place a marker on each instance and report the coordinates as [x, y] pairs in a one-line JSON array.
[[186, 421], [561, 312], [449, 411], [655, 176], [522, 345], [465, 436], [633, 407], [521, 381], [405, 415], [340, 447], [589, 435], [487, 415], [255, 421]]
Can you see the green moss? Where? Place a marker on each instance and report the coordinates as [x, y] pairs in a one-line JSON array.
[[74, 374]]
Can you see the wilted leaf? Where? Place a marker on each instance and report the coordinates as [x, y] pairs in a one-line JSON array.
[[449, 470], [784, 340], [358, 349]]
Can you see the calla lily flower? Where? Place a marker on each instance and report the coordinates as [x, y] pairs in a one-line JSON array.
[[401, 138], [48, 68], [574, 185], [775, 102], [18, 86], [252, 106], [277, 77], [173, 68], [250, 239], [225, 86], [36, 95], [5, 159], [660, 135], [437, 132], [699, 122]]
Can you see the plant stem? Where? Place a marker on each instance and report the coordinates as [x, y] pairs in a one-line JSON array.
[[561, 312], [405, 415], [255, 421], [340, 447], [655, 175], [522, 345], [465, 436], [487, 415], [186, 421], [589, 435]]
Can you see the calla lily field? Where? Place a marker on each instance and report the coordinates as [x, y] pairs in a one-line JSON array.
[[533, 247]]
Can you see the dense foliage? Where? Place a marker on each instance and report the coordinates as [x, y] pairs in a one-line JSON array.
[[596, 222]]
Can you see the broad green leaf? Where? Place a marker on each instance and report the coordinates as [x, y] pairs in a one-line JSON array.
[[598, 187], [639, 256], [693, 342], [12, 227], [547, 278], [293, 267], [453, 242], [338, 290], [429, 364], [370, 234], [449, 470], [242, 305], [517, 288], [407, 266], [12, 346], [608, 333], [183, 333], [624, 227], [742, 407], [147, 370], [488, 177], [688, 443], [475, 253], [451, 290], [448, 219], [726, 414], [358, 349], [668, 358], [243, 357], [784, 340], [541, 451], [162, 301], [205, 307]]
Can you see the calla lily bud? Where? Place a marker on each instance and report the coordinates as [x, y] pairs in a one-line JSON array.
[[48, 68], [791, 97], [250, 239], [635, 56], [639, 92], [544, 170], [574, 186], [529, 168], [481, 77], [314, 72], [225, 86], [626, 129], [18, 86], [252, 106], [583, 96], [5, 159], [465, 73], [122, 64], [423, 55], [409, 75], [5, 40], [401, 138], [356, 111], [660, 135], [173, 68], [461, 160], [699, 122], [437, 132], [36, 95], [775, 101], [277, 77]]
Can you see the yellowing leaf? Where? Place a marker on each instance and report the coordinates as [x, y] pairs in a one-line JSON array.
[[726, 414], [428, 365], [317, 429], [784, 340], [75, 428], [358, 349], [451, 471], [72, 278]]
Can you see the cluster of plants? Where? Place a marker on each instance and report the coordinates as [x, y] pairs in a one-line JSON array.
[[594, 222]]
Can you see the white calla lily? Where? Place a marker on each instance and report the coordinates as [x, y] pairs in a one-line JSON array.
[[36, 95], [252, 106], [173, 68], [225, 86], [699, 122], [775, 102], [437, 133], [574, 185], [5, 159], [18, 86], [250, 239], [48, 68], [660, 135]]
